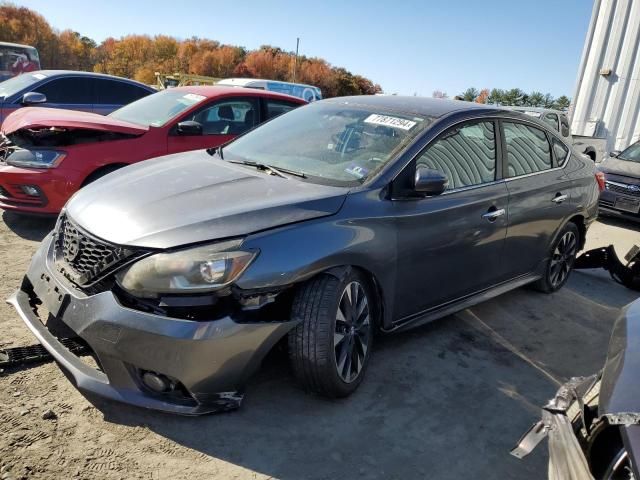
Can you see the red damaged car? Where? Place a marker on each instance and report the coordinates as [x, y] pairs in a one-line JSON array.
[[48, 154]]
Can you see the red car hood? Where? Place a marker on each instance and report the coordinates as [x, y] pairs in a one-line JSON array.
[[39, 117]]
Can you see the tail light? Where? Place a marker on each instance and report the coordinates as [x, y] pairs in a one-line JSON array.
[[601, 180]]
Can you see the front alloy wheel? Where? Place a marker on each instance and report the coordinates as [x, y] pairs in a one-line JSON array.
[[351, 333], [330, 347]]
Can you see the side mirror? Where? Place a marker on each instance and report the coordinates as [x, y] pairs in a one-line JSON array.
[[615, 153], [430, 182], [189, 127], [33, 98]]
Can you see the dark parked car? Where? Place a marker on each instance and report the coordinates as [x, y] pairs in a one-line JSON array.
[[593, 423], [621, 196], [325, 224], [90, 92]]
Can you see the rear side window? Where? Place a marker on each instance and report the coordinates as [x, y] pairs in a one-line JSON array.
[[560, 151], [114, 92], [278, 107], [528, 149], [564, 126], [71, 90], [552, 120], [465, 154]]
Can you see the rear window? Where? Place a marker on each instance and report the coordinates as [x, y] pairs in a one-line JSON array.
[[115, 92], [528, 149]]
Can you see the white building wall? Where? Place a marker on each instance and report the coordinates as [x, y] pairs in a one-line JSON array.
[[608, 106]]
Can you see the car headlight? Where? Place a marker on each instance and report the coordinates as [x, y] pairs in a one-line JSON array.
[[196, 270], [35, 158]]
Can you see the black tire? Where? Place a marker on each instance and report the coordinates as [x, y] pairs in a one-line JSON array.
[[562, 256], [101, 173], [327, 337]]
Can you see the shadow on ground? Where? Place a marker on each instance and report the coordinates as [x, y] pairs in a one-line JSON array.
[[29, 227], [447, 400]]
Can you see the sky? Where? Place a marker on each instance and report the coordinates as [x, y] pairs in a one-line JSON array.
[[408, 47]]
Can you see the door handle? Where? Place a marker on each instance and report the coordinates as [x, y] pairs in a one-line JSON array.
[[492, 215], [559, 198]]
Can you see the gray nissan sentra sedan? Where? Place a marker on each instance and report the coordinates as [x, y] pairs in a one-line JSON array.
[[333, 221]]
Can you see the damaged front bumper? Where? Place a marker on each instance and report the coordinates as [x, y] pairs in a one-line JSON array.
[[204, 364]]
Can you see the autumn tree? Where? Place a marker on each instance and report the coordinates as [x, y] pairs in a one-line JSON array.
[[482, 96]]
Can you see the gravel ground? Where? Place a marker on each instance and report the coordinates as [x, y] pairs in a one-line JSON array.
[[443, 401]]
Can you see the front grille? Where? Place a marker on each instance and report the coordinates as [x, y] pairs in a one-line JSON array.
[[85, 259], [606, 203], [633, 190]]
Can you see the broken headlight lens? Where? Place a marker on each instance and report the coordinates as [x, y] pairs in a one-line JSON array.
[[196, 270], [35, 158]]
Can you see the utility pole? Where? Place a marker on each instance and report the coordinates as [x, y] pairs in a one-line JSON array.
[[295, 64]]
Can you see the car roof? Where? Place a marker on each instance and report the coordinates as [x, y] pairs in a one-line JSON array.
[[241, 82], [210, 91], [534, 109], [431, 107], [9, 44], [78, 73]]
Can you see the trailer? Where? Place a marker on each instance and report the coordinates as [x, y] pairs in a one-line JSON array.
[[605, 112]]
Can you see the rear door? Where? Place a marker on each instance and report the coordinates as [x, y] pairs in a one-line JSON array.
[[539, 196], [222, 120], [450, 245], [110, 95], [70, 93]]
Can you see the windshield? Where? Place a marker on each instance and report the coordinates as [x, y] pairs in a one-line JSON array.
[[14, 85], [631, 154], [339, 144], [157, 109]]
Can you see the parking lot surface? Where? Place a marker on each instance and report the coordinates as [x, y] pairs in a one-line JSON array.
[[447, 400]]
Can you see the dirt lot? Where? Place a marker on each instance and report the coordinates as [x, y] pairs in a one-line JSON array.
[[447, 400]]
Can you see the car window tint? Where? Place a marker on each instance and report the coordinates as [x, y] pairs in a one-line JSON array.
[[528, 150], [560, 151], [564, 126], [228, 117], [71, 90], [278, 107], [115, 92], [466, 155], [552, 120]]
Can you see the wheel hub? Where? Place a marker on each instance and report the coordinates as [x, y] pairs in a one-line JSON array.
[[352, 330]]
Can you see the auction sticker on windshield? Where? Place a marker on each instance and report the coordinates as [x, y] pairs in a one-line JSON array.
[[389, 121]]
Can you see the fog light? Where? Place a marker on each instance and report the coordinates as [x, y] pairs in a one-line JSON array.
[[30, 190], [156, 382]]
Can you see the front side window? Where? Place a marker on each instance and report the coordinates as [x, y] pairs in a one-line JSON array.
[[466, 155], [552, 120], [72, 90], [528, 150], [331, 143], [228, 117]]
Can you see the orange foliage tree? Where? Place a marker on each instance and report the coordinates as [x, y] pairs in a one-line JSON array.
[[140, 56]]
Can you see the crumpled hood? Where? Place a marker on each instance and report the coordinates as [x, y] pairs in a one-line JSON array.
[[41, 117], [622, 168], [193, 197]]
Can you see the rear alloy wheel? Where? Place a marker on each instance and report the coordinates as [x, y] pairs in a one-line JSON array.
[[563, 256], [330, 348]]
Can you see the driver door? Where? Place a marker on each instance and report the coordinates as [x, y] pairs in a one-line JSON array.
[[450, 245], [221, 120]]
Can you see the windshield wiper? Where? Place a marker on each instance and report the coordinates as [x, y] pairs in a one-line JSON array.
[[281, 172]]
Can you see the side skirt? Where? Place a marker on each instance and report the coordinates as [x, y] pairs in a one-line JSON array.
[[448, 308]]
